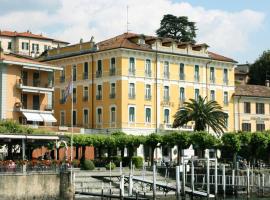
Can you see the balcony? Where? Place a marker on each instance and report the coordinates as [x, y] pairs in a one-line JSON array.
[[85, 75], [225, 81], [112, 71], [36, 86], [147, 97], [131, 96], [98, 74], [148, 73], [62, 79], [112, 95], [131, 72], [48, 107], [98, 97], [212, 80], [166, 75], [85, 98], [166, 98], [197, 78], [182, 76]]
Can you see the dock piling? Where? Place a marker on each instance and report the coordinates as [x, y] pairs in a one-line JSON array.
[[177, 182]]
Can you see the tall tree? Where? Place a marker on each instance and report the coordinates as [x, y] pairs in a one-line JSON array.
[[179, 28], [203, 114], [260, 69]]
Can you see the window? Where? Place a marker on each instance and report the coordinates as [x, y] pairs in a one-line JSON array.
[[182, 71], [197, 94], [227, 121], [62, 75], [74, 118], [131, 68], [260, 127], [131, 92], [131, 114], [99, 115], [9, 45], [99, 92], [166, 70], [246, 127], [147, 91], [25, 46], [225, 76], [74, 95], [35, 47], [99, 69], [113, 116], [45, 47], [197, 73], [62, 118], [166, 93], [85, 70], [225, 98], [246, 107], [85, 93], [112, 67], [62, 100], [148, 68], [212, 95], [166, 116], [112, 93], [259, 108], [148, 115], [212, 74], [85, 116], [74, 73], [182, 94]]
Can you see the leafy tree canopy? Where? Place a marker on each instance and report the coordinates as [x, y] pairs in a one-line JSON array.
[[179, 28], [259, 69]]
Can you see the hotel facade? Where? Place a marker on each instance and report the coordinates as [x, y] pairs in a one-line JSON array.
[[136, 83], [26, 90]]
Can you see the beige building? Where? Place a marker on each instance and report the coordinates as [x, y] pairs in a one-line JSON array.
[[27, 43], [26, 90], [241, 74], [252, 108]]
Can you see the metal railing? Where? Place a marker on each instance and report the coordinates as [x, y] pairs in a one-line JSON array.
[[98, 74], [112, 95], [131, 72], [131, 96], [85, 75], [112, 71]]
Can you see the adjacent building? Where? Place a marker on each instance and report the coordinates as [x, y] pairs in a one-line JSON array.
[[241, 74], [136, 83], [252, 107], [26, 90], [27, 43]]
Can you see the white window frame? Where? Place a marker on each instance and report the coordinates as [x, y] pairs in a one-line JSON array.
[[195, 89], [134, 64], [148, 69], [184, 95], [212, 98], [169, 120], [134, 88], [150, 89], [111, 87]]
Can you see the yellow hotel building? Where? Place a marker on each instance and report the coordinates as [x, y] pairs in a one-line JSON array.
[[136, 83]]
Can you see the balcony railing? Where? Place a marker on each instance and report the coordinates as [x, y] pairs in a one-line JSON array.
[[131, 96], [212, 79], [98, 74], [112, 71], [36, 107], [166, 98], [226, 102], [182, 76], [148, 73], [197, 78], [74, 99], [166, 75], [85, 75], [62, 79], [35, 83], [131, 72], [226, 81], [112, 95], [85, 98], [48, 107], [147, 97], [98, 96]]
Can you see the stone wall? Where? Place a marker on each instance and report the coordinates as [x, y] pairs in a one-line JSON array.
[[42, 186]]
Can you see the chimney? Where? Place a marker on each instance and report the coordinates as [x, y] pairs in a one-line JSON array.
[[267, 83]]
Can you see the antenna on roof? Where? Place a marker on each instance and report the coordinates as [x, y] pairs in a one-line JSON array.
[[127, 20]]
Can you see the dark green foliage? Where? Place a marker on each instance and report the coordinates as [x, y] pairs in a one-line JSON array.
[[203, 113], [258, 70], [116, 160], [178, 28], [113, 166], [75, 163], [87, 165], [137, 161]]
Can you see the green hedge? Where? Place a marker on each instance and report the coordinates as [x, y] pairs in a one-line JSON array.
[[112, 166], [87, 165], [137, 161]]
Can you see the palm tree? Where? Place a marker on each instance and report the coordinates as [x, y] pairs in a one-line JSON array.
[[203, 113]]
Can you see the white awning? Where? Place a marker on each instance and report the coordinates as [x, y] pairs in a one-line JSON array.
[[48, 117], [33, 117]]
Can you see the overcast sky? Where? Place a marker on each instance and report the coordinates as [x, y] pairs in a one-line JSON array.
[[238, 29]]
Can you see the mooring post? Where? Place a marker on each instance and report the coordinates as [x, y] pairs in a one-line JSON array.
[[122, 185], [192, 176], [130, 185], [233, 181], [183, 177], [259, 183], [216, 178], [252, 180], [154, 181], [208, 177], [248, 192], [263, 184], [224, 179], [102, 187], [177, 182], [121, 170]]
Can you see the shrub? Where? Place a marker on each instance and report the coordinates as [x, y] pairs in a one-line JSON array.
[[116, 160], [137, 161], [108, 166], [76, 163], [100, 162], [125, 161], [88, 165]]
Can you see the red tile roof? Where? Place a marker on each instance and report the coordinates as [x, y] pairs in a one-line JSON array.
[[252, 91], [27, 34]]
